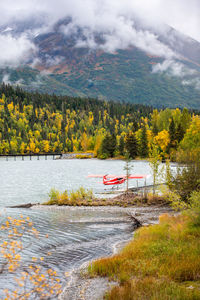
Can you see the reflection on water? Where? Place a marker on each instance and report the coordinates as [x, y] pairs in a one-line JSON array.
[[75, 235]]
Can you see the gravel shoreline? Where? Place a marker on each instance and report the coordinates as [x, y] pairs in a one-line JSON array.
[[79, 286]]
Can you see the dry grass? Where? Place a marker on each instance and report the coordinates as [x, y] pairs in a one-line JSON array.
[[157, 262], [78, 197], [151, 288], [83, 197]]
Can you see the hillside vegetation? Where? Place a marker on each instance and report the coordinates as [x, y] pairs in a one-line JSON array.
[[125, 75], [40, 123]]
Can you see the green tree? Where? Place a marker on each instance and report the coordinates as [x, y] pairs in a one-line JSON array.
[[112, 144], [108, 145], [131, 145], [127, 168], [121, 146], [104, 148], [143, 146], [154, 162], [172, 134], [155, 129], [187, 180], [185, 119], [179, 133]]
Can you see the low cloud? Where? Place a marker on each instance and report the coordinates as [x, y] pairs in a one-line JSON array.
[[15, 50], [195, 82], [6, 79], [53, 61], [116, 32], [173, 68], [115, 21]]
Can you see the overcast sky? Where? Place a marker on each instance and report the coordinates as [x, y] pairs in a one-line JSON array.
[[184, 15], [115, 18]]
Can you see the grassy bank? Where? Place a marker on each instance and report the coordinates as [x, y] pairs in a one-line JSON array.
[[162, 262], [83, 197], [74, 198]]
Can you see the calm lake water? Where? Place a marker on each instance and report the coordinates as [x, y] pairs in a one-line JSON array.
[[75, 234]]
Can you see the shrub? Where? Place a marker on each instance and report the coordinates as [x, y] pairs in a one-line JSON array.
[[194, 203], [75, 197], [54, 195], [82, 156], [186, 180]]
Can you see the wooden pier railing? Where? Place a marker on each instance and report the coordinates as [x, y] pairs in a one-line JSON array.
[[31, 155]]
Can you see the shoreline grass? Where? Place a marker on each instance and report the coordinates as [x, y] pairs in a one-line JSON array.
[[74, 198], [162, 262], [84, 197]]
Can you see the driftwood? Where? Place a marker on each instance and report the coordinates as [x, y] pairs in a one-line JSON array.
[[27, 205], [135, 220]]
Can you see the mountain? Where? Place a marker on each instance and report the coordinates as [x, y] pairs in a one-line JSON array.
[[67, 64]]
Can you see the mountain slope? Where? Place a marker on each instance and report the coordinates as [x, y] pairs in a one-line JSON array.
[[127, 75]]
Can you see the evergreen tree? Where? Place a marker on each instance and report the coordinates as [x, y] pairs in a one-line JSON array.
[[131, 145], [135, 125], [33, 118], [172, 135], [155, 129], [104, 150], [143, 149], [121, 146], [185, 119], [112, 144], [108, 146], [179, 133]]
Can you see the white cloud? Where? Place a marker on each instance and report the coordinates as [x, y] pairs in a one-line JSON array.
[[119, 32], [6, 79], [181, 14], [115, 20], [52, 61], [19, 82], [173, 68], [15, 50], [195, 82]]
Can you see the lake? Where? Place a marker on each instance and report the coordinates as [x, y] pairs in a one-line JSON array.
[[76, 235]]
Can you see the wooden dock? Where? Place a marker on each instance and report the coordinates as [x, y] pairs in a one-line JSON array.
[[31, 155], [144, 189], [147, 187]]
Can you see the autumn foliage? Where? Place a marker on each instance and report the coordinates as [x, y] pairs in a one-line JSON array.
[[32, 123], [30, 280]]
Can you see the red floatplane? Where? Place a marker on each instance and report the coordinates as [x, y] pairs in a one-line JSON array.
[[115, 180]]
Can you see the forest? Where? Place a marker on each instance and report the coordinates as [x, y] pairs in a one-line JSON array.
[[32, 123]]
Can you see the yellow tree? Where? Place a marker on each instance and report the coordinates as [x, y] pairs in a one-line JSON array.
[[91, 118], [13, 146], [22, 148], [31, 146], [46, 146], [84, 142], [190, 145], [5, 147], [161, 140]]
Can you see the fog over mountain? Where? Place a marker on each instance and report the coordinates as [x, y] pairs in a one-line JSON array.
[[114, 18], [53, 37]]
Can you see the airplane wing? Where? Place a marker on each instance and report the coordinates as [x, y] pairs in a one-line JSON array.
[[136, 176]]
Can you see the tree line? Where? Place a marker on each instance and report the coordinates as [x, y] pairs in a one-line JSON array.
[[41, 123]]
